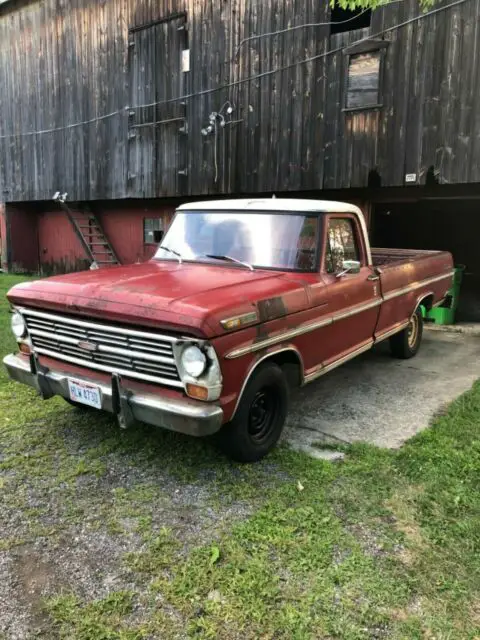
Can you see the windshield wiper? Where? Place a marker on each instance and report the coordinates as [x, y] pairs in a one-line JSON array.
[[229, 259], [175, 253]]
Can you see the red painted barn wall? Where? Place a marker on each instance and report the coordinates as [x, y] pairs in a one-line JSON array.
[[23, 236], [124, 229], [59, 248]]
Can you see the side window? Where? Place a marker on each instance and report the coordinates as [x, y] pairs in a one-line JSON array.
[[341, 244], [149, 226]]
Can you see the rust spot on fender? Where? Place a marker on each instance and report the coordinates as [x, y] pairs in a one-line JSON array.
[[271, 308], [261, 333]]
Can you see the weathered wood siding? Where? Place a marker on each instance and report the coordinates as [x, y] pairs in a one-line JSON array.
[[65, 62]]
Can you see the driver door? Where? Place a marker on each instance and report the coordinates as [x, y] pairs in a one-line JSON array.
[[353, 298]]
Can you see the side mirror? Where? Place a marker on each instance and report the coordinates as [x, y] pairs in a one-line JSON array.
[[157, 236], [349, 266]]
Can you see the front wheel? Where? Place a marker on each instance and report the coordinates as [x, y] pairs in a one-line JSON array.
[[260, 416], [407, 343]]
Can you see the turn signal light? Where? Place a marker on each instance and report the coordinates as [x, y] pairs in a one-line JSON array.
[[25, 348], [239, 321], [197, 392]]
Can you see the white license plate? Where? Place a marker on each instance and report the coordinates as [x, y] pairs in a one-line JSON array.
[[85, 393]]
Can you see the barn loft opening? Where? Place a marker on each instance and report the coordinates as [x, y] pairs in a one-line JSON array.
[[349, 19]]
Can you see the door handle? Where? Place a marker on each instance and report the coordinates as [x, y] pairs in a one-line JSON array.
[[372, 278]]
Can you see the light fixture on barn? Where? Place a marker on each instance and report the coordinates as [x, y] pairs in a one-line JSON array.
[[217, 119]]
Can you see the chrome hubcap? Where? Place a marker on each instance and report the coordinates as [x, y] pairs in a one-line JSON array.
[[412, 331]]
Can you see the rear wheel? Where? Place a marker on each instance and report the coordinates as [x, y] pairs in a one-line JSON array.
[[260, 416], [407, 343]]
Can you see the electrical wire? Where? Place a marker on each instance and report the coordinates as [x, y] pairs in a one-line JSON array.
[[241, 81], [303, 26], [67, 126], [215, 151], [305, 60]]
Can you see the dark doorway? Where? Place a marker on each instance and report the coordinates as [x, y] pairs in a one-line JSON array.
[[448, 224]]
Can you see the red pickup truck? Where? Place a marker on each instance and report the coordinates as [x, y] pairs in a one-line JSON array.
[[243, 300]]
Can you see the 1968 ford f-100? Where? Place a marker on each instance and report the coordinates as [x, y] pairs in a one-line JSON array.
[[243, 300]]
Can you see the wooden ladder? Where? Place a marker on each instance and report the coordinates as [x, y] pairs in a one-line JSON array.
[[89, 231]]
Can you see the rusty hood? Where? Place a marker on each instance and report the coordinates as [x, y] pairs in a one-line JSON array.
[[189, 297]]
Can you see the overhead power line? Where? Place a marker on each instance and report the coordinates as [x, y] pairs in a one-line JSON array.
[[304, 60], [240, 81], [67, 126]]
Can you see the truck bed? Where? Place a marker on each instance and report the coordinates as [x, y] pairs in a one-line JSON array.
[[384, 257]]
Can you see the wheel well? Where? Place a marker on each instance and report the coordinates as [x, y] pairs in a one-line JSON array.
[[290, 361], [426, 302]]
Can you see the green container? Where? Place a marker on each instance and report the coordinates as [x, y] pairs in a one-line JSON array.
[[441, 315], [446, 313]]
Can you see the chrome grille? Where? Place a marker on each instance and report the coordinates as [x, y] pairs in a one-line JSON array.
[[137, 354]]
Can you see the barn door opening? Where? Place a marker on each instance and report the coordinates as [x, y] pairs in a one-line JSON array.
[[158, 70], [437, 222]]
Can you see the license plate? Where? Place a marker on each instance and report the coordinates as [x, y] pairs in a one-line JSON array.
[[85, 393]]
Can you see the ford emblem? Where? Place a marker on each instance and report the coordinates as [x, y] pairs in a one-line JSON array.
[[87, 346]]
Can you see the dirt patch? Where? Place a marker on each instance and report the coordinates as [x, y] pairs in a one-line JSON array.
[[402, 505], [36, 577], [475, 612]]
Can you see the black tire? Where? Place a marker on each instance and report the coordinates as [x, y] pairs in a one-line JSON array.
[[406, 344], [260, 416]]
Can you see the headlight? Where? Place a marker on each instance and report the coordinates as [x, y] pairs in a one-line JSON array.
[[194, 361], [19, 327]]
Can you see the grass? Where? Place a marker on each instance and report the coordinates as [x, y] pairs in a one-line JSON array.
[[383, 545]]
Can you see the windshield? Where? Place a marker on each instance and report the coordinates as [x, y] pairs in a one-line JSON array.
[[265, 240]]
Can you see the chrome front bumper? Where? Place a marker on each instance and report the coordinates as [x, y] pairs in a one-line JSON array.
[[182, 415]]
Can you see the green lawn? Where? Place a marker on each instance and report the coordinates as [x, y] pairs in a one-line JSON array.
[[385, 544]]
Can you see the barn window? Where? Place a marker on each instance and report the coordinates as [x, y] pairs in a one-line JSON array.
[[363, 81], [150, 225]]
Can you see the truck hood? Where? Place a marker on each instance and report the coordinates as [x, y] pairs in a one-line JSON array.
[[189, 297]]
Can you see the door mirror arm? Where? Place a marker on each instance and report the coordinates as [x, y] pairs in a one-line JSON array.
[[349, 266]]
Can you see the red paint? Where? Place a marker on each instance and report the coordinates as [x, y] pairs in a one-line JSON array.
[[23, 237], [61, 251], [192, 299], [124, 229], [59, 248], [164, 294], [45, 240]]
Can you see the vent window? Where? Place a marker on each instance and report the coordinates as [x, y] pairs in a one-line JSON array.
[[150, 225], [349, 19]]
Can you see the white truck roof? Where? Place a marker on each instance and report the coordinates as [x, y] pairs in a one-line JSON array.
[[280, 205]]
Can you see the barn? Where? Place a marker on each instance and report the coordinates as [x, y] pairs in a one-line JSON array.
[[132, 107]]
